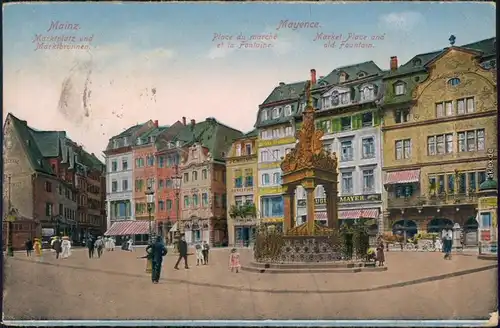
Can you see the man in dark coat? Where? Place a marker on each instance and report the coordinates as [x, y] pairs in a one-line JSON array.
[[29, 247], [90, 246], [183, 248], [156, 252], [57, 246]]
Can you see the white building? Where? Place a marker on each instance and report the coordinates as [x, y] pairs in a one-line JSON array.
[[119, 181], [346, 110]]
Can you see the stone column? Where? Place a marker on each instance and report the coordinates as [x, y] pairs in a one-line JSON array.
[[332, 207], [287, 207], [310, 210]]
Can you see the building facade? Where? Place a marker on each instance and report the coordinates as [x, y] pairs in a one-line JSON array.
[[276, 137], [440, 137], [242, 187], [203, 188], [119, 177], [52, 163]]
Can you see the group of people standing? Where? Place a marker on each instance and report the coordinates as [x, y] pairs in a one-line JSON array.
[[60, 246], [99, 245]]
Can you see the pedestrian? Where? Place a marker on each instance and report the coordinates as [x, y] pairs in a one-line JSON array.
[[66, 247], [38, 247], [199, 254], [205, 250], [111, 244], [90, 246], [234, 260], [99, 245], [130, 245], [380, 254], [156, 252], [29, 247], [448, 240], [182, 248], [438, 245], [56, 246]]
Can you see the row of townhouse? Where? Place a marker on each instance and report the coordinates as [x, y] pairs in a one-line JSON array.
[[184, 166], [52, 186], [413, 142]]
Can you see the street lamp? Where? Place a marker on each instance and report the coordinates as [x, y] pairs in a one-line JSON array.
[[177, 180], [150, 196]]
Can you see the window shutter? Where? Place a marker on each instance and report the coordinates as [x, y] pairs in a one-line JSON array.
[[357, 121], [336, 125], [376, 118]]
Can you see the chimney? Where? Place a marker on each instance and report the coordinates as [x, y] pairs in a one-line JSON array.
[[184, 120], [282, 84], [394, 63], [313, 76], [156, 123], [193, 122]]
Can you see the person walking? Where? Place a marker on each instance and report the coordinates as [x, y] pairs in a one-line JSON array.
[[448, 241], [182, 248], [37, 245], [99, 245], [111, 244], [66, 247], [29, 247], [130, 245], [199, 254], [205, 251], [156, 252], [90, 246], [56, 246]]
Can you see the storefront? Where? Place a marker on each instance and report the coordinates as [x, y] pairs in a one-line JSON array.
[[487, 218], [245, 230]]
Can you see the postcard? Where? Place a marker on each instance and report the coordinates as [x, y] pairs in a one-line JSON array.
[[330, 164]]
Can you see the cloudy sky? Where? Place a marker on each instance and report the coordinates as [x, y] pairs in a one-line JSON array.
[[159, 61]]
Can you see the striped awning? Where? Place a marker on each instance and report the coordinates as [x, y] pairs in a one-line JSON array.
[[369, 213], [128, 228], [402, 177], [320, 215]]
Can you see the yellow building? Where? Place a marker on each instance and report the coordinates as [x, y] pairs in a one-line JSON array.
[[439, 137], [241, 170]]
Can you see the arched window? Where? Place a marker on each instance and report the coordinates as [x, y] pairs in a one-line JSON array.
[[454, 81]]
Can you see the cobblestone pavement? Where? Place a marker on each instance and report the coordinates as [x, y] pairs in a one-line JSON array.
[[417, 286]]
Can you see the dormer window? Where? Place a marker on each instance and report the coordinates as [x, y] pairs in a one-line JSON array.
[[263, 115], [288, 110], [322, 83], [399, 88], [276, 112], [361, 74], [367, 93], [417, 62], [139, 141], [343, 77]]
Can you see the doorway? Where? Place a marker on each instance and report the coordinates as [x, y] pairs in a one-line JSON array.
[[243, 236]]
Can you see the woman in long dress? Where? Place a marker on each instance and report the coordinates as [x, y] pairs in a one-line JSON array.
[[130, 244], [111, 243], [234, 260], [37, 245], [66, 248]]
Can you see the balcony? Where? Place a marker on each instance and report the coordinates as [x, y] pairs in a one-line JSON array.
[[433, 200]]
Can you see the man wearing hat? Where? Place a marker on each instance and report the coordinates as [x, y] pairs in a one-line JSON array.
[[56, 246]]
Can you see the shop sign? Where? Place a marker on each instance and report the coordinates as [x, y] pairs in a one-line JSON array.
[[344, 199], [270, 191], [276, 142], [244, 190], [272, 220], [488, 202]]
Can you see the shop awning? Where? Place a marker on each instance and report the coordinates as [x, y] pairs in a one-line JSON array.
[[320, 215], [124, 228], [369, 213], [409, 176], [175, 227]]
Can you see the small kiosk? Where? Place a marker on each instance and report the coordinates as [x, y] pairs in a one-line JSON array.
[[487, 219]]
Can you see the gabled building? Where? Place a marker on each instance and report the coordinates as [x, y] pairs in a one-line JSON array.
[[119, 164], [276, 137], [44, 169], [203, 189], [346, 102], [242, 187], [440, 137]]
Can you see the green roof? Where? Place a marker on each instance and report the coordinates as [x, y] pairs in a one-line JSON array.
[[489, 184], [284, 92], [369, 68], [38, 162]]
